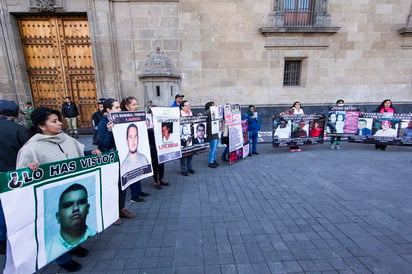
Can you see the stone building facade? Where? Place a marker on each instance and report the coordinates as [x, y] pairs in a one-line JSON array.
[[233, 51]]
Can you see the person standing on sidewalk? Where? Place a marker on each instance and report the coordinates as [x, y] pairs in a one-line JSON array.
[[27, 113], [49, 144], [130, 104], [212, 138], [335, 140], [296, 110], [254, 123], [70, 113], [186, 161], [12, 138], [106, 143], [387, 110], [96, 118]]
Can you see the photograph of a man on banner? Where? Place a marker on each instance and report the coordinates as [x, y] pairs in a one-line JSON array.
[[132, 142], [166, 127], [71, 216]]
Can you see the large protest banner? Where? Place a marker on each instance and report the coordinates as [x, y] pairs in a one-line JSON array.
[[238, 134], [342, 121], [40, 207], [193, 135], [166, 127], [384, 129], [132, 142], [292, 130]]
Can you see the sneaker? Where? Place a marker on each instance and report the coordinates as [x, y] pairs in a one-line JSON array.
[[212, 165], [256, 153], [224, 159], [126, 213], [337, 147], [192, 171], [216, 163], [331, 146], [71, 266], [184, 173], [144, 194], [79, 251], [136, 200]]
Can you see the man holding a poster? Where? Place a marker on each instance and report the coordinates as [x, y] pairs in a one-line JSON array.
[[134, 159], [72, 212]]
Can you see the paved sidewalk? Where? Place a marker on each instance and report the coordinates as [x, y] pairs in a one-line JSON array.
[[347, 211]]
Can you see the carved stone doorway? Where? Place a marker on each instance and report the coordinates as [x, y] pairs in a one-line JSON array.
[[59, 62]]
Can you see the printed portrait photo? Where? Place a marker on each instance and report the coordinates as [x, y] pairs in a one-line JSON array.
[[68, 214]]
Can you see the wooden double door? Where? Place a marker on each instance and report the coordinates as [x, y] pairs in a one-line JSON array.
[[59, 62]]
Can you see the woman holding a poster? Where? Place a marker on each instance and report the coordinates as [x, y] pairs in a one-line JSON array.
[[186, 161], [49, 144], [387, 110], [106, 143], [130, 103]]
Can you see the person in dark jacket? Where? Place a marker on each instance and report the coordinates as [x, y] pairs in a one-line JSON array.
[[212, 138], [70, 113], [12, 138], [96, 117], [106, 143], [254, 124]]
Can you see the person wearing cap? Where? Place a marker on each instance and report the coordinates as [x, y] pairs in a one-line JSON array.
[[70, 113], [178, 100], [12, 138], [96, 118], [335, 140], [27, 113]]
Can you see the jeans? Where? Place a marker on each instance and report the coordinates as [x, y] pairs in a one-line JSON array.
[[186, 163], [225, 152], [253, 139], [135, 189], [213, 150]]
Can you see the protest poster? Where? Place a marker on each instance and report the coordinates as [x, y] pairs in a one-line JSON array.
[[193, 134], [238, 134], [342, 121], [292, 130], [132, 142], [384, 129], [38, 208], [166, 126]]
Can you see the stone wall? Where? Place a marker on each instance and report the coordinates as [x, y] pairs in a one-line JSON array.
[[222, 56]]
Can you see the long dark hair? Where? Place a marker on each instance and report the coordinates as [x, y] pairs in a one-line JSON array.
[[126, 101], [182, 103], [208, 105], [39, 117], [382, 105]]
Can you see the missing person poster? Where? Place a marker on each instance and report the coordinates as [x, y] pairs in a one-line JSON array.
[[193, 134], [42, 208], [384, 129], [166, 126], [342, 121], [292, 130], [132, 142], [238, 133]]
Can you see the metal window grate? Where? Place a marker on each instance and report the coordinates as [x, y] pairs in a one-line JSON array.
[[291, 75]]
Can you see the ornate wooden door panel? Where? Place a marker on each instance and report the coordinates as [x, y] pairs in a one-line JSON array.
[[60, 62]]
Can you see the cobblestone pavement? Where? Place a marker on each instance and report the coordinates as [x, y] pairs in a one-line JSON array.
[[319, 210]]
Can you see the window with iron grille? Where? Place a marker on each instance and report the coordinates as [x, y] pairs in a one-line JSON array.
[[291, 76]]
